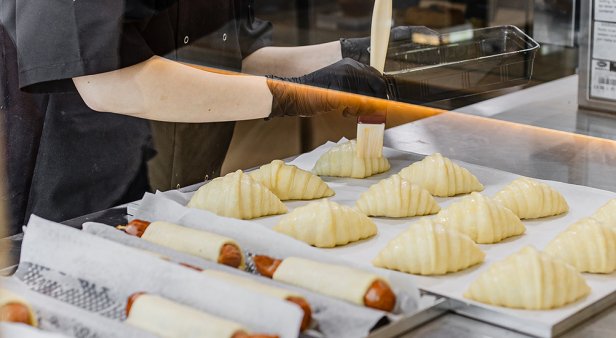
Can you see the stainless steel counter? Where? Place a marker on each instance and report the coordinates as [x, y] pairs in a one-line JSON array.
[[543, 146]]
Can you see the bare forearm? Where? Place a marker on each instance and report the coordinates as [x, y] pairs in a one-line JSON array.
[[291, 61], [164, 90]]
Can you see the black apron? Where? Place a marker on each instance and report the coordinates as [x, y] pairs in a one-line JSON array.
[[65, 160]]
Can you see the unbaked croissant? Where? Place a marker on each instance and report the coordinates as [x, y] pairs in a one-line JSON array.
[[588, 245], [342, 161], [529, 198], [530, 280], [429, 248], [237, 195], [326, 224], [288, 182], [441, 177], [396, 197], [607, 214], [482, 219]]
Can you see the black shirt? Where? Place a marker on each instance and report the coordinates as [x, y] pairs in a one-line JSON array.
[[65, 160]]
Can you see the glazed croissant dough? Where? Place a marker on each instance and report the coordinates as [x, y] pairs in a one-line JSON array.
[[396, 197], [169, 319], [326, 224], [237, 195], [588, 245], [530, 280], [482, 219], [529, 198], [342, 161], [607, 214], [441, 177], [288, 182], [429, 248]]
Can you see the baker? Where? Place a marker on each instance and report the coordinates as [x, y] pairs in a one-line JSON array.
[[66, 64]]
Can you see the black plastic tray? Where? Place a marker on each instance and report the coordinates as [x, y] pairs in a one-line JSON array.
[[442, 68]]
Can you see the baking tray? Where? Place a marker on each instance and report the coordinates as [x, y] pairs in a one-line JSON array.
[[435, 67]]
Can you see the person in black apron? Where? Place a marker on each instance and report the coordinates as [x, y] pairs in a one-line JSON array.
[[64, 159]]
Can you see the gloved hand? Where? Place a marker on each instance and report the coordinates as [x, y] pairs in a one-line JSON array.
[[299, 97], [357, 48]]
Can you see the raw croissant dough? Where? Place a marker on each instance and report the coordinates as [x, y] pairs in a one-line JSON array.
[[288, 182], [482, 219], [588, 245], [429, 248], [326, 224], [396, 197], [607, 214], [530, 280], [342, 161], [441, 177], [237, 195], [529, 198]]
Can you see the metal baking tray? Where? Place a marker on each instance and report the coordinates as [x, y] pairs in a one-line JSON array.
[[433, 67]]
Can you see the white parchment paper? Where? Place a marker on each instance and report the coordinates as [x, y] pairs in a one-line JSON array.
[[583, 201], [126, 270]]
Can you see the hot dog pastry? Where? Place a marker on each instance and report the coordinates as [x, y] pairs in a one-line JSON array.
[[441, 177], [169, 319], [351, 285], [588, 245], [530, 280], [529, 198], [607, 214], [203, 244], [326, 224], [429, 248], [16, 309], [342, 161], [482, 219], [288, 182], [396, 197], [237, 195]]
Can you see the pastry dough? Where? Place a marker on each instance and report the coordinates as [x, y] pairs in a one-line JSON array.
[[530, 280], [8, 297], [441, 177], [331, 280], [326, 224], [529, 198], [396, 197], [588, 245], [482, 219], [288, 182], [169, 319], [252, 285], [342, 161], [607, 214], [237, 195], [429, 248], [194, 242]]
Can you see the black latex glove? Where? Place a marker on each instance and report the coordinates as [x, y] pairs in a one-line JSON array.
[[357, 48], [298, 97]]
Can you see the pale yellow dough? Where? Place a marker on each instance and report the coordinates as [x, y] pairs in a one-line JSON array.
[[7, 297], [530, 280], [326, 224], [529, 198], [482, 219], [342, 161], [429, 248], [237, 195], [331, 280], [396, 197], [168, 319], [441, 177], [607, 214], [194, 242], [288, 182], [588, 245], [251, 284]]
